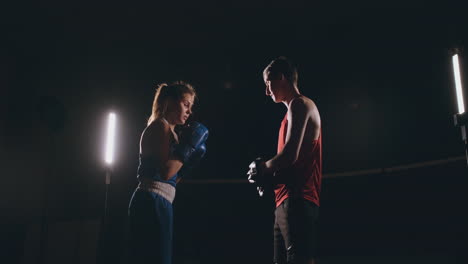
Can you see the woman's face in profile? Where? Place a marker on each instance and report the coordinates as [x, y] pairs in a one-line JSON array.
[[181, 110]]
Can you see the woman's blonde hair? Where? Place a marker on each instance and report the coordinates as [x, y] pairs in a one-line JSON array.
[[166, 93]]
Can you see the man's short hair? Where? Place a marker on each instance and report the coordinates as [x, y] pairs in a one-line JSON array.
[[282, 65]]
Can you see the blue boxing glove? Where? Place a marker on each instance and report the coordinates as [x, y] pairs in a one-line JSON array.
[[197, 155], [191, 138], [193, 161]]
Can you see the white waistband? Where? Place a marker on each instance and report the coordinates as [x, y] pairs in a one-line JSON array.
[[166, 190]]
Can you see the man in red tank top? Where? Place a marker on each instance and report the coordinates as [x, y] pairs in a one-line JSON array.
[[296, 169]]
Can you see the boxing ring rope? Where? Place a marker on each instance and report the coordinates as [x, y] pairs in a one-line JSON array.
[[399, 168], [393, 169]]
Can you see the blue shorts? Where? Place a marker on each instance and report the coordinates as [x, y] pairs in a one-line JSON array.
[[151, 225]]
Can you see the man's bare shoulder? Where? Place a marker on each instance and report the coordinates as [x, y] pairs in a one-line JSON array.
[[311, 107], [304, 102]]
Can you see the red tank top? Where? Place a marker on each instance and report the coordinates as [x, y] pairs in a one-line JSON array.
[[306, 172]]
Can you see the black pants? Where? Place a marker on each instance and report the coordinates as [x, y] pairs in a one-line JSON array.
[[295, 230]]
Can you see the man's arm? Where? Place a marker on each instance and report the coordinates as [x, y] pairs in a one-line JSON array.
[[298, 114]]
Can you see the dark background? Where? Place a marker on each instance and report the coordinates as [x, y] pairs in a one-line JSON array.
[[380, 74]]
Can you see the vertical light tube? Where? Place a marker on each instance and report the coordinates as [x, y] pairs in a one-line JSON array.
[[110, 140], [458, 84]]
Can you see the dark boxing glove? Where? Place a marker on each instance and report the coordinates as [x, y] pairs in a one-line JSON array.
[[257, 176], [255, 173], [194, 160], [191, 138]]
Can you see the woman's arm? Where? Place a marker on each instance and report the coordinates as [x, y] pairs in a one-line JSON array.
[[161, 143]]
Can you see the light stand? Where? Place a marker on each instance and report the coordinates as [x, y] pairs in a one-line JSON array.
[[460, 118], [109, 155], [109, 159]]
